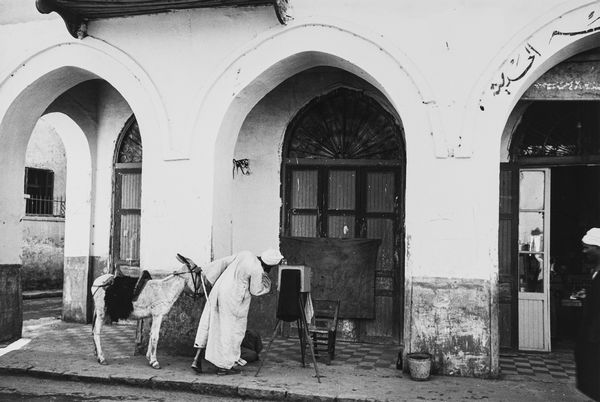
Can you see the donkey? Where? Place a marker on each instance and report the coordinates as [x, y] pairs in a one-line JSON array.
[[155, 300]]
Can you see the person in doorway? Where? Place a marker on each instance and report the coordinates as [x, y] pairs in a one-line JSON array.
[[223, 321], [587, 349]]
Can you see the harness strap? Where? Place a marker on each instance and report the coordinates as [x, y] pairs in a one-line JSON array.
[[195, 278]]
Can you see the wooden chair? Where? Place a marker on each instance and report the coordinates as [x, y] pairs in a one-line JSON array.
[[323, 327]]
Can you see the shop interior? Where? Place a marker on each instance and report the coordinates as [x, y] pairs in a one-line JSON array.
[[575, 207]]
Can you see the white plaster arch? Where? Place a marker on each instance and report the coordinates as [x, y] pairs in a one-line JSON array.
[[30, 87], [552, 38], [97, 59], [269, 59], [278, 54], [78, 183]]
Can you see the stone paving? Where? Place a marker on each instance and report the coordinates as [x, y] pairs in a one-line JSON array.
[[359, 372]]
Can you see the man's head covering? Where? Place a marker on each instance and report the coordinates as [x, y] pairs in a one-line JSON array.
[[271, 256], [592, 237]]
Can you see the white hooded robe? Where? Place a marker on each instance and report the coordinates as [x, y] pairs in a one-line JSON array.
[[223, 322]]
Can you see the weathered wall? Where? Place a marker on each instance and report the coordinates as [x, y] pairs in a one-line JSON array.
[[43, 252], [450, 319], [43, 237], [11, 302], [45, 150]]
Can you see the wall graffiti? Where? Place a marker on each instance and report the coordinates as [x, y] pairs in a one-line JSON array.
[[592, 18], [518, 66], [521, 64]]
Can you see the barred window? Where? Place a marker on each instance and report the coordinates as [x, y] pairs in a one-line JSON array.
[[39, 190]]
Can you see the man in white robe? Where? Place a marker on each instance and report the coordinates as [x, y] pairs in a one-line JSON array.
[[223, 322]]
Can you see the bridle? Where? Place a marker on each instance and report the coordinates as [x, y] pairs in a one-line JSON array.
[[196, 279]]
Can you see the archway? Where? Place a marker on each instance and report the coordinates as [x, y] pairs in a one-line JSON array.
[[256, 71], [343, 168], [47, 230], [26, 94], [548, 200], [261, 160]]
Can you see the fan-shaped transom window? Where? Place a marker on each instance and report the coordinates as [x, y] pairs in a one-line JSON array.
[[558, 129], [130, 149], [344, 124]]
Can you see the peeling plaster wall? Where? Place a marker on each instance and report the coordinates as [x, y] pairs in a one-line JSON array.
[[43, 253], [450, 319]]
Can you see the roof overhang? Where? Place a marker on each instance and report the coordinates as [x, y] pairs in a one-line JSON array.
[[76, 13]]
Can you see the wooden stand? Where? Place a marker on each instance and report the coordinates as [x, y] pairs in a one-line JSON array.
[[303, 335]]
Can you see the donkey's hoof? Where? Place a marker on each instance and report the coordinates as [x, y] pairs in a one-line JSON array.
[[103, 362], [155, 365]]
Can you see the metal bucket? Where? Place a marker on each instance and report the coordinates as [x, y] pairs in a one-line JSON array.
[[419, 365]]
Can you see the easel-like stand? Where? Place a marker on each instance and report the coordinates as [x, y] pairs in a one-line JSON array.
[[303, 335]]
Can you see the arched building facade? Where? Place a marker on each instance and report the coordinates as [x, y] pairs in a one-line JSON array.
[[341, 122]]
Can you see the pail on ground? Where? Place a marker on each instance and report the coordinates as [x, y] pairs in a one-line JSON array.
[[419, 365]]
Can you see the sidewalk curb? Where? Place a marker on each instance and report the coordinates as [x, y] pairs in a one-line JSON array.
[[41, 294], [204, 388]]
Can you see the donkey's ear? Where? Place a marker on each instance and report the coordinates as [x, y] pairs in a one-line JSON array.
[[182, 259]]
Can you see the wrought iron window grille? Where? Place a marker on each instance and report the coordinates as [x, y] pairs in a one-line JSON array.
[[45, 206]]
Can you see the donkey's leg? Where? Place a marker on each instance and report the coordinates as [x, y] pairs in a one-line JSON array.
[[97, 328], [152, 344]]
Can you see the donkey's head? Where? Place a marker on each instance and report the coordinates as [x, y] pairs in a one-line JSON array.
[[192, 274]]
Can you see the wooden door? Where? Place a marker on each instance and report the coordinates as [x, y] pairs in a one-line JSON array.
[[533, 259], [126, 218], [380, 221], [507, 256], [344, 166], [354, 202]]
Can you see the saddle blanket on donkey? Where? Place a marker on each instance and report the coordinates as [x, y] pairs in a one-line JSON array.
[[120, 293]]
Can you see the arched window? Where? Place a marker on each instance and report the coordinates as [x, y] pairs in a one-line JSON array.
[[344, 124], [342, 159], [127, 196], [553, 129], [130, 148]]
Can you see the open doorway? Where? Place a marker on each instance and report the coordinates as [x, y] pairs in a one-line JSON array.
[[549, 198], [43, 224], [575, 208]]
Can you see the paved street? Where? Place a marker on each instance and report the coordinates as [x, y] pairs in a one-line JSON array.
[[59, 352], [64, 351], [22, 388], [34, 309]]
